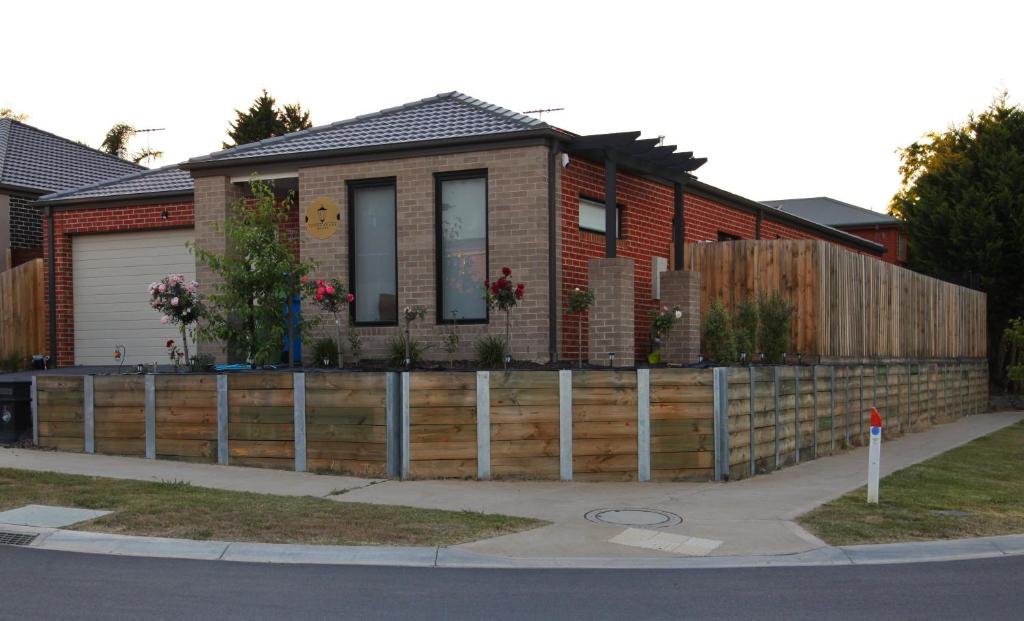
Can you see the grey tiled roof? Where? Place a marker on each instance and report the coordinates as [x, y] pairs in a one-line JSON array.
[[444, 116], [166, 180], [830, 211], [33, 159]]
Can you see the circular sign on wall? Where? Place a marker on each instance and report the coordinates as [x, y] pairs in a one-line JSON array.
[[322, 217]]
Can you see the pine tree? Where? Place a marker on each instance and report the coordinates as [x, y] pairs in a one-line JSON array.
[[265, 120]]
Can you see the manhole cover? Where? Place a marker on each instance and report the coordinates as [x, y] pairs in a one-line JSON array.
[[641, 518]]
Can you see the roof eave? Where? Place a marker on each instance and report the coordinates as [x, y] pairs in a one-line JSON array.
[[116, 199], [10, 187], [211, 163]]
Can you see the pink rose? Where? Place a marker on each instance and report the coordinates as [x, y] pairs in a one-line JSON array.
[[349, 298], [329, 289], [174, 301], [164, 319], [305, 279], [161, 288]]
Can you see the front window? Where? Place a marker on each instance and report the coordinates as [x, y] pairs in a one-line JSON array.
[[592, 217], [462, 246], [372, 252]]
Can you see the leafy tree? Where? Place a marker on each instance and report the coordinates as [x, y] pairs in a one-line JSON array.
[[7, 113], [719, 337], [962, 199], [265, 120], [259, 274], [116, 143]]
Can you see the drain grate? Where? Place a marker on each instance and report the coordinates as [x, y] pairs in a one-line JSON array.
[[16, 539]]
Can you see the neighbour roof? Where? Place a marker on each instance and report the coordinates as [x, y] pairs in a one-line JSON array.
[[38, 161], [442, 117], [166, 181], [831, 212]]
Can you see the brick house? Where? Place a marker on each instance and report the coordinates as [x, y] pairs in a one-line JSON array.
[[33, 163], [875, 226], [418, 204]]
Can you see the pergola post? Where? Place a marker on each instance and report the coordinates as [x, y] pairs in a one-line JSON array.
[[611, 220], [678, 228]]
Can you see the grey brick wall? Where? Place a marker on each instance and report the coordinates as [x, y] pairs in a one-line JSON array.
[[517, 217], [682, 289], [611, 317], [213, 195]]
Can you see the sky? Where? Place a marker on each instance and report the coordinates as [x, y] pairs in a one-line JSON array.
[[785, 99]]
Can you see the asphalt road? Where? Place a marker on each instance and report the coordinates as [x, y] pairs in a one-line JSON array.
[[42, 584]]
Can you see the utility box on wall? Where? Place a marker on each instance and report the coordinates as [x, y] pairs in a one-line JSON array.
[[658, 265]]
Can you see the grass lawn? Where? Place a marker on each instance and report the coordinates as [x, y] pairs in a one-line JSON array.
[[176, 509], [984, 479]]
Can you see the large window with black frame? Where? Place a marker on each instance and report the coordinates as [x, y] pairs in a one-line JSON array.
[[462, 262], [373, 252]]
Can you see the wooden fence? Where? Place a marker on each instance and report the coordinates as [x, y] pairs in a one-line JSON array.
[[847, 305], [648, 424], [22, 310]]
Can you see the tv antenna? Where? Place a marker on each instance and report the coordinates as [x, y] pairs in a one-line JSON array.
[[540, 112], [149, 131]]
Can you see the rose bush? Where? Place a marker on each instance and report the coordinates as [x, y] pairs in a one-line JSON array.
[[179, 302]]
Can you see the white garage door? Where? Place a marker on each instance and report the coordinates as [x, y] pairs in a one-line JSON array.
[[112, 273]]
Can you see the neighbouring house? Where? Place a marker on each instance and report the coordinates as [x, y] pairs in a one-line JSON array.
[[878, 227], [418, 205], [33, 163]]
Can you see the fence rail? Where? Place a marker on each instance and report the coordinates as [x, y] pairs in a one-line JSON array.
[[847, 305], [22, 318]]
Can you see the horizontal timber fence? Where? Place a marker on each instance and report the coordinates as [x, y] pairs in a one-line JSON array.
[[847, 306], [616, 425]]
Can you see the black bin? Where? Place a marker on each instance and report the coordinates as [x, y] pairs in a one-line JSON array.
[[15, 411]]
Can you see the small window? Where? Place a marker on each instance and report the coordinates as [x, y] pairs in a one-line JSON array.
[[723, 236], [461, 246], [372, 252], [901, 247], [592, 217]]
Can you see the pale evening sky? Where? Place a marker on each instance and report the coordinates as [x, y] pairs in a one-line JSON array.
[[786, 99]]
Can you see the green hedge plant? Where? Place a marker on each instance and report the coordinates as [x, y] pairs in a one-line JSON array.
[[775, 314], [719, 337]]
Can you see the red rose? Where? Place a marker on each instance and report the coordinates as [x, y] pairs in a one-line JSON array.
[[495, 289], [506, 271], [350, 298], [319, 296], [329, 289], [320, 291], [305, 279], [170, 342]]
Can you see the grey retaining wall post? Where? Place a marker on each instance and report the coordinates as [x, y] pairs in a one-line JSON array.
[[222, 419], [775, 390], [814, 412], [753, 417], [88, 396], [860, 410], [846, 406], [796, 405], [483, 424], [393, 420], [832, 408], [565, 425], [404, 433], [910, 399], [150, 416], [34, 396], [643, 424], [720, 388], [299, 416]]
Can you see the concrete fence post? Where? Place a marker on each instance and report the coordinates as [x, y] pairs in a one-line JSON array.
[[393, 419], [88, 397], [796, 407], [565, 425], [753, 417], [720, 388], [643, 424], [860, 410], [34, 396], [814, 412], [299, 416], [222, 419], [150, 413], [846, 405], [832, 408], [483, 425], [910, 399], [775, 394], [404, 433]]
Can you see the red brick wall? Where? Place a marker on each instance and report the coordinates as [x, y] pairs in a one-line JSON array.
[[887, 236], [647, 209], [99, 220]]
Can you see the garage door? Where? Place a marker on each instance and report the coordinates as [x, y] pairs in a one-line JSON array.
[[111, 276]]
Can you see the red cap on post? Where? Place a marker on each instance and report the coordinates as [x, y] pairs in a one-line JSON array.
[[876, 420]]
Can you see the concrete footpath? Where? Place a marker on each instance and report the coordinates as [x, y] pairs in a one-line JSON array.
[[742, 523]]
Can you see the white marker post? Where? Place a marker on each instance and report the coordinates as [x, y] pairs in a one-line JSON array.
[[874, 456]]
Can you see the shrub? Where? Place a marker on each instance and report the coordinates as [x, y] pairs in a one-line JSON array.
[[744, 324], [490, 351], [402, 345], [355, 343], [202, 362], [719, 339], [13, 362], [1014, 335], [325, 353], [776, 317]]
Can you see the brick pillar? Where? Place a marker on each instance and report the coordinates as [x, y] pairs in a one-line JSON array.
[[213, 196], [612, 315], [682, 289]]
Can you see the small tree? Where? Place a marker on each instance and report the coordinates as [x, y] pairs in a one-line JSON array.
[[661, 327], [260, 275], [501, 294], [719, 338], [580, 301], [179, 303], [329, 296], [451, 339], [775, 313], [745, 326], [411, 314]]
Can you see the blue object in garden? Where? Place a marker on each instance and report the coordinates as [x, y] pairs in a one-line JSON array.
[[295, 316]]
